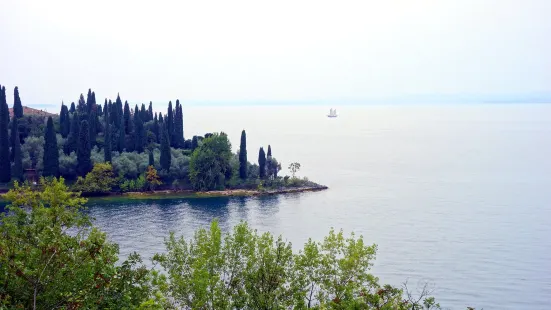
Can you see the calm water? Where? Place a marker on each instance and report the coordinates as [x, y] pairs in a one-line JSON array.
[[457, 195]]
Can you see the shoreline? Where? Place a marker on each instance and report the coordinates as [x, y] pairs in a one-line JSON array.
[[221, 193]]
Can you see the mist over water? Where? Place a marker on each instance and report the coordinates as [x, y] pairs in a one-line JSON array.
[[454, 194]]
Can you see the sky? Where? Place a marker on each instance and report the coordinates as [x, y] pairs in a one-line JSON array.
[[274, 51]]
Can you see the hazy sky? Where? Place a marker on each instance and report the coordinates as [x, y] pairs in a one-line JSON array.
[[272, 50]]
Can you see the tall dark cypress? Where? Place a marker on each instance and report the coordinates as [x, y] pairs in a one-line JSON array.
[[107, 136], [64, 121], [51, 155], [72, 109], [165, 149], [179, 126], [93, 124], [17, 171], [261, 163], [169, 122], [105, 106], [99, 111], [242, 156], [82, 108], [14, 135], [72, 142], [17, 106], [150, 111], [143, 113], [194, 143], [151, 159], [156, 129], [269, 151], [139, 133], [121, 143], [5, 169], [127, 118], [83, 153]]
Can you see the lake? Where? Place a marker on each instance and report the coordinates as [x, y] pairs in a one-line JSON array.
[[458, 195]]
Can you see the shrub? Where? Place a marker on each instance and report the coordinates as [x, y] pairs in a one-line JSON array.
[[98, 181]]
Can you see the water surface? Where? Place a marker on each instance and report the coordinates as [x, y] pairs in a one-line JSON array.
[[455, 194]]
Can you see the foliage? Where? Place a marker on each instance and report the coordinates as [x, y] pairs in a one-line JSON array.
[[243, 156], [153, 179], [33, 153], [98, 181], [209, 166], [134, 185], [272, 167], [51, 154], [107, 156], [68, 165], [72, 140], [52, 257], [261, 163], [165, 149], [5, 169], [248, 270], [17, 169], [17, 106], [84, 149], [294, 168]]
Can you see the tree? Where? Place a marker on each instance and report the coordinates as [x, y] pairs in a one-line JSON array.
[[98, 181], [178, 135], [127, 119], [151, 159], [156, 128], [143, 113], [93, 124], [51, 154], [165, 149], [243, 156], [121, 143], [261, 163], [64, 121], [5, 169], [153, 179], [17, 106], [72, 109], [269, 151], [169, 122], [53, 258], [14, 135], [84, 149], [139, 132], [72, 142], [209, 165], [194, 143], [294, 168], [150, 111], [17, 171], [107, 137]]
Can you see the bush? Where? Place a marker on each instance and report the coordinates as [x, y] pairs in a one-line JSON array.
[[98, 181], [68, 165], [134, 185]]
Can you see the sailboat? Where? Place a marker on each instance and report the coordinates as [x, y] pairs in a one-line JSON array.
[[332, 113]]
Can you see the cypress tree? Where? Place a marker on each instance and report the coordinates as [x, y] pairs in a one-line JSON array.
[[179, 126], [269, 151], [194, 143], [17, 107], [14, 135], [64, 121], [99, 110], [93, 124], [72, 141], [165, 149], [242, 156], [127, 120], [82, 109], [5, 169], [143, 113], [51, 155], [107, 136], [121, 136], [72, 109], [261, 163], [83, 153], [139, 133], [105, 106], [156, 128], [151, 159], [169, 122], [17, 171], [150, 111]]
